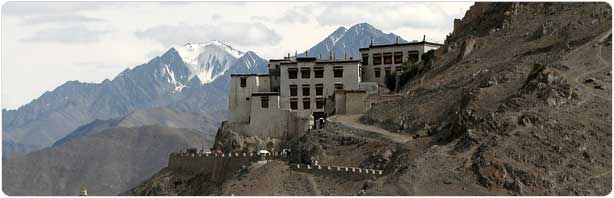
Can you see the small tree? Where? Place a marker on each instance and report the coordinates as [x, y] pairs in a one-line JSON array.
[[391, 81], [410, 70]]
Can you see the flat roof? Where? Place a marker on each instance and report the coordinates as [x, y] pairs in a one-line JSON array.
[[400, 44], [338, 61], [350, 91], [278, 60], [325, 62], [245, 75], [265, 94], [309, 58]]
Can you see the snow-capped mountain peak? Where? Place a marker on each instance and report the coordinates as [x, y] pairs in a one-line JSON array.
[[208, 60]]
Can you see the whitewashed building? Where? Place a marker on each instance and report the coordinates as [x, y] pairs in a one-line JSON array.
[[294, 93], [378, 61], [299, 90]]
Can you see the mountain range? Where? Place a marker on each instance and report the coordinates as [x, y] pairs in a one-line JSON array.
[[112, 135], [189, 78], [344, 40]]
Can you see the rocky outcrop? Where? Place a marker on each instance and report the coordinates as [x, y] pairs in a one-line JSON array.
[[549, 85], [228, 139]]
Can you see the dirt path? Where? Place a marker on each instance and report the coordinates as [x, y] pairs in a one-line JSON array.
[[579, 74], [353, 122]]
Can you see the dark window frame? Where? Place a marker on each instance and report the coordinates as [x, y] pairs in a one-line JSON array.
[[378, 72], [305, 73], [264, 102], [319, 89], [318, 72], [397, 57], [243, 82], [306, 89], [377, 59], [306, 103], [338, 72], [365, 59], [387, 58], [293, 104], [293, 90], [292, 73]]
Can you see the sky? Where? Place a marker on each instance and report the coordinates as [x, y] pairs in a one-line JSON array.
[[45, 44]]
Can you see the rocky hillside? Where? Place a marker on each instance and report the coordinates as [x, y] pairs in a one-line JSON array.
[[171, 80], [517, 102], [107, 162]]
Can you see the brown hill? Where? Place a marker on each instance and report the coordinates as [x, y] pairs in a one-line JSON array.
[[518, 102], [107, 162]]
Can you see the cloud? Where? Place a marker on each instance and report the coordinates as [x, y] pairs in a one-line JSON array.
[[387, 15], [245, 34], [293, 16], [75, 34], [13, 8], [63, 19], [216, 17]]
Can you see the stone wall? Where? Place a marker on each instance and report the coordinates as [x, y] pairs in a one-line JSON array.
[[217, 166], [351, 102]]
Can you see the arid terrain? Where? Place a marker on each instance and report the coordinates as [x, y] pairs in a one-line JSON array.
[[517, 102]]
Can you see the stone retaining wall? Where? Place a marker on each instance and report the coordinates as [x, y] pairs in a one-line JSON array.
[[219, 166]]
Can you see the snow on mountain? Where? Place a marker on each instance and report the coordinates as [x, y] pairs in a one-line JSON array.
[[189, 78], [208, 61]]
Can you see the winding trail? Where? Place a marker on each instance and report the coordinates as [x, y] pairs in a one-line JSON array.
[[579, 56], [353, 121]]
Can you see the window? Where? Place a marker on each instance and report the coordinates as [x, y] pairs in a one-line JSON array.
[[388, 58], [305, 90], [338, 86], [398, 57], [338, 72], [387, 69], [362, 72], [293, 90], [264, 101], [305, 73], [319, 103], [318, 72], [413, 56], [293, 103], [377, 59], [306, 103], [377, 72], [243, 82], [292, 73], [365, 59], [397, 69], [319, 89]]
